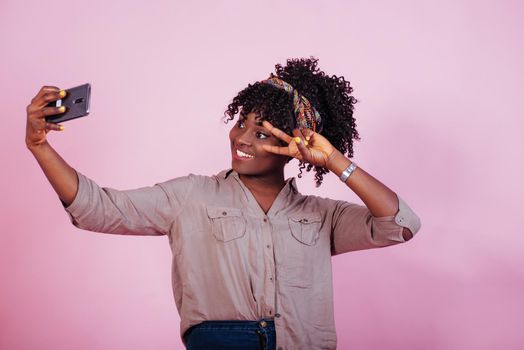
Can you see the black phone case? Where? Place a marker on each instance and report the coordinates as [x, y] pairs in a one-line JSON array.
[[76, 103]]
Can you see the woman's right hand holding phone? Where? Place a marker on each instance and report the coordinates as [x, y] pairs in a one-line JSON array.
[[37, 127], [61, 175]]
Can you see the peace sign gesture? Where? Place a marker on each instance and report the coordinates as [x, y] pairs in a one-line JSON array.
[[307, 146]]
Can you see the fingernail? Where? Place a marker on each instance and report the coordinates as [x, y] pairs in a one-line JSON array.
[[61, 127], [306, 143], [308, 137], [62, 93], [297, 140], [61, 109]]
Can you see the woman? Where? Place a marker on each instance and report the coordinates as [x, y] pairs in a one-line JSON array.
[[251, 262]]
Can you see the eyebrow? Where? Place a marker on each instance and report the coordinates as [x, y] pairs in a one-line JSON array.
[[258, 120]]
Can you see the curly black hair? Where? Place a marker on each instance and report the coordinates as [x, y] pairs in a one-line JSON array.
[[329, 95]]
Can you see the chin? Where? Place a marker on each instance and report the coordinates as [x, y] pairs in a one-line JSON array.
[[240, 169]]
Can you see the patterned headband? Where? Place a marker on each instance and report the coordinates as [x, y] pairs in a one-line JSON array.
[[306, 115]]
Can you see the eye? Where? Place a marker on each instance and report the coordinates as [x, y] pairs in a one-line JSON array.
[[240, 124], [261, 135]]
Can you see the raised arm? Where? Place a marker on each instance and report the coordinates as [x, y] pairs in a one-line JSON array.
[[61, 175], [382, 203], [378, 198], [142, 211]]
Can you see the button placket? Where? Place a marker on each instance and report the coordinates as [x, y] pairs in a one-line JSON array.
[[269, 285]]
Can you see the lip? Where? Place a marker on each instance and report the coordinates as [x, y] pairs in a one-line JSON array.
[[236, 157]]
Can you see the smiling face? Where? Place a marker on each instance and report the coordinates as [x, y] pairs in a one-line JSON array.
[[249, 158]]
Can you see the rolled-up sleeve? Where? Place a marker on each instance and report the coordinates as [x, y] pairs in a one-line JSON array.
[[355, 228], [142, 211]]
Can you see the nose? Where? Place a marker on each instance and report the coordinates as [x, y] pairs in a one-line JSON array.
[[243, 139]]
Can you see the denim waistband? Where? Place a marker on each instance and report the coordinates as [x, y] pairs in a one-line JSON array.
[[261, 327]]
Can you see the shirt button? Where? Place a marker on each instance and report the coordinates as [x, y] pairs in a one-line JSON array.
[[269, 246], [224, 213], [277, 315], [263, 324], [265, 220]]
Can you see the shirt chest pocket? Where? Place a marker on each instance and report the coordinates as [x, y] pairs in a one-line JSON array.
[[305, 228], [302, 249], [227, 224]]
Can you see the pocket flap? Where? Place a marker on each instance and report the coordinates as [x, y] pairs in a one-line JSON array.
[[306, 218], [222, 212], [306, 227]]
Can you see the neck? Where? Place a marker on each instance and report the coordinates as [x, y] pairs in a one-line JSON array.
[[271, 183]]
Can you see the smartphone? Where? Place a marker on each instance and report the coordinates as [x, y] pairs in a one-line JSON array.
[[76, 103]]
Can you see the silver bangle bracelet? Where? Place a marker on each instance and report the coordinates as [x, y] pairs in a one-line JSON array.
[[349, 170]]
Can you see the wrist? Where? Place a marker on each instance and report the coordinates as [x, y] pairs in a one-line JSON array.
[[337, 163], [34, 148]]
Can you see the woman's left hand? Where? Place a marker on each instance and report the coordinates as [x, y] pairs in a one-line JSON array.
[[307, 146]]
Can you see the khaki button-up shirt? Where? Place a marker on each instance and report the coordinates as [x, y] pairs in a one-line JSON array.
[[231, 261]]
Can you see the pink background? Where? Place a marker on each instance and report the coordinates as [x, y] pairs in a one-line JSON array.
[[439, 85]]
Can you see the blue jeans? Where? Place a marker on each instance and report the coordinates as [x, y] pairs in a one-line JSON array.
[[231, 335]]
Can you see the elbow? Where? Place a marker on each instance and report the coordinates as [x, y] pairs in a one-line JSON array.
[[406, 234], [410, 228], [407, 219]]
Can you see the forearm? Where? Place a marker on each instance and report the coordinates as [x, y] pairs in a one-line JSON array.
[[380, 200], [61, 175]]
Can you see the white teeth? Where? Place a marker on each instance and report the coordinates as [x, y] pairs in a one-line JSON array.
[[242, 154]]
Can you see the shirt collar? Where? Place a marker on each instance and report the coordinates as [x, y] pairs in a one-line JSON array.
[[290, 181]]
